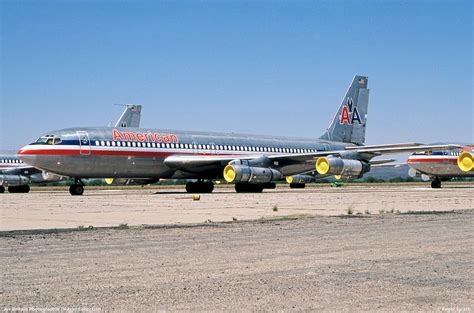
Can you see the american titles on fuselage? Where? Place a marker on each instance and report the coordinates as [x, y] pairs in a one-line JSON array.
[[144, 136]]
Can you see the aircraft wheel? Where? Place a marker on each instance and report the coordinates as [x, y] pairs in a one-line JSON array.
[[76, 190], [19, 189], [436, 183], [200, 187], [2, 189], [207, 187], [297, 186], [249, 188]]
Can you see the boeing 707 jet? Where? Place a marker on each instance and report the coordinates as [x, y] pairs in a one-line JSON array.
[[251, 162]]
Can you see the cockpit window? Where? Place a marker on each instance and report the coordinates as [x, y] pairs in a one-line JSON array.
[[47, 140]]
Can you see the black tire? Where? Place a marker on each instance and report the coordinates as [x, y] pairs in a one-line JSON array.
[[190, 187], [200, 187], [436, 184], [297, 186], [19, 189], [207, 187], [2, 189], [249, 188], [76, 190]]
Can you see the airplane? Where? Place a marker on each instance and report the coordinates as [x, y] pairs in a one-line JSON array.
[[16, 175], [442, 165], [251, 162]]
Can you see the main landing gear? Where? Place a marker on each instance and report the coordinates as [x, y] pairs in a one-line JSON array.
[[297, 185], [200, 186], [18, 189], [77, 189], [2, 189], [436, 183], [253, 188]]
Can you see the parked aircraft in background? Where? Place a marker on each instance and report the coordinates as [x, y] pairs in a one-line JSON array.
[[442, 165], [251, 162], [16, 175]]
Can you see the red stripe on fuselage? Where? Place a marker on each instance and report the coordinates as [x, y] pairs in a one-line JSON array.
[[431, 160], [113, 153]]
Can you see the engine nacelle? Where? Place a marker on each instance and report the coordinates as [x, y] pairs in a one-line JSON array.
[[343, 167], [300, 179], [465, 161], [13, 180], [234, 173]]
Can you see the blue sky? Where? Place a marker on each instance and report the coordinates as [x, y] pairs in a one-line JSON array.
[[261, 67]]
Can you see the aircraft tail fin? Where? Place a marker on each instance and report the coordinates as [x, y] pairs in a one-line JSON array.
[[351, 118], [130, 116]]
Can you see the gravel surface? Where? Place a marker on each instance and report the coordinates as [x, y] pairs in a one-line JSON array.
[[391, 262], [44, 210]]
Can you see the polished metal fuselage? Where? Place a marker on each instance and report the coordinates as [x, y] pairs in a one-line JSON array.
[[442, 164], [140, 153]]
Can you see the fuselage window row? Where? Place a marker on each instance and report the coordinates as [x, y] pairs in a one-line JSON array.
[[200, 147]]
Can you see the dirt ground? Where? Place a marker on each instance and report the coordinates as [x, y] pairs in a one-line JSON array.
[[388, 262], [47, 209]]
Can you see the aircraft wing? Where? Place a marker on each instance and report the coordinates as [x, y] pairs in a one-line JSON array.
[[194, 162], [370, 151]]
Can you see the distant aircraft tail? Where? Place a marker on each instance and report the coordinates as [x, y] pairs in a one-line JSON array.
[[130, 116], [351, 118]]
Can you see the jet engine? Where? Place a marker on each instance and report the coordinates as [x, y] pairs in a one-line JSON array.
[[465, 161], [343, 167], [14, 180], [235, 173]]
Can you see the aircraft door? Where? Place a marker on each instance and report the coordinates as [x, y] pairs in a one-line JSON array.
[[84, 143]]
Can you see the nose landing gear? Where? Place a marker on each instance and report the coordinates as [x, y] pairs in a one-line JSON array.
[[77, 189]]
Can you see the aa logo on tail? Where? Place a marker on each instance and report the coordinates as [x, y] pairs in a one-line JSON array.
[[349, 114]]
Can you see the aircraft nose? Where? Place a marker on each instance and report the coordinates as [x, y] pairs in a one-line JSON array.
[[26, 155]]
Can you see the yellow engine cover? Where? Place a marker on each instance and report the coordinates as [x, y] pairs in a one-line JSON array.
[[465, 161]]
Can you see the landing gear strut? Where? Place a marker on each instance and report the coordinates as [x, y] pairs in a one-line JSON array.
[[77, 189], [436, 183], [200, 186], [19, 189]]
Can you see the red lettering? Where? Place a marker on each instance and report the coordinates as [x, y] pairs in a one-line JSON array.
[[117, 135], [157, 137], [140, 137], [174, 138], [129, 136], [345, 116]]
